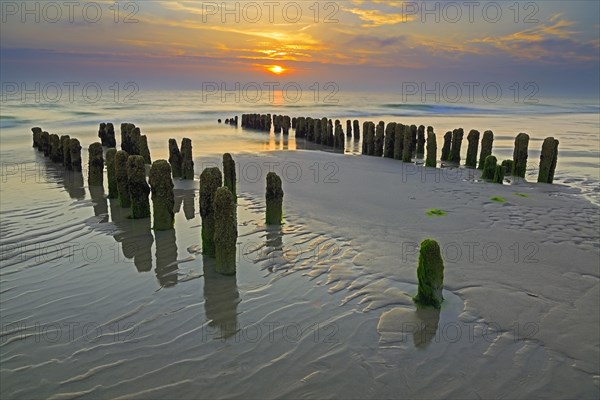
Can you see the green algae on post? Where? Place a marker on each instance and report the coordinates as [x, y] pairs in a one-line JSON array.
[[436, 212], [489, 168], [138, 187], [420, 141], [457, 138], [175, 158], [210, 181], [520, 155], [548, 158], [163, 198], [446, 146], [486, 147], [472, 147], [95, 165], [498, 199], [225, 236], [274, 197], [389, 141], [430, 273], [508, 167], [75, 154], [64, 142], [37, 131], [187, 160], [113, 191], [144, 150], [121, 157], [431, 160], [398, 141], [498, 174], [55, 151], [407, 148], [229, 177]]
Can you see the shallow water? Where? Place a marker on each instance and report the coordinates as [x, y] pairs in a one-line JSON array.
[[95, 305]]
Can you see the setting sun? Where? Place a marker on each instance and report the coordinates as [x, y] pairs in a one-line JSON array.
[[276, 69]]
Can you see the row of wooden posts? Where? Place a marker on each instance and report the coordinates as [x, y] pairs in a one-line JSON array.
[[126, 174], [405, 142]]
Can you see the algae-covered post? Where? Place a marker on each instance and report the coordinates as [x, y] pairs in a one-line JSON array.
[[111, 141], [338, 141], [274, 198], [229, 176], [102, 133], [446, 146], [431, 160], [520, 155], [36, 136], [371, 139], [420, 141], [138, 187], [413, 140], [398, 141], [348, 128], [286, 125], [457, 138], [498, 174], [121, 157], [489, 168], [163, 198], [508, 166], [486, 147], [548, 159], [95, 165], [113, 189], [389, 140], [66, 152], [135, 136], [430, 273], [75, 150], [407, 150], [187, 160], [210, 181], [175, 158], [55, 153], [225, 231], [356, 129], [365, 137], [472, 147], [45, 143], [144, 150]]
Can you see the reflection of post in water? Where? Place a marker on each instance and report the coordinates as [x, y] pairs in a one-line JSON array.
[[221, 298], [99, 201], [178, 195], [285, 142], [274, 237], [134, 235], [429, 318], [166, 258], [71, 180], [189, 210]]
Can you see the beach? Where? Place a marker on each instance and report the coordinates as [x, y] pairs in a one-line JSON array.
[[321, 307]]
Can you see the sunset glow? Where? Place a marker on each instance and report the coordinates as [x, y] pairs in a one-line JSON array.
[[276, 69]]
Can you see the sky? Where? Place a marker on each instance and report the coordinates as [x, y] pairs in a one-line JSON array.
[[374, 45]]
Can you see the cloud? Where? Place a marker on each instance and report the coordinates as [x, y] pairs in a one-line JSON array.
[[375, 18], [553, 41]]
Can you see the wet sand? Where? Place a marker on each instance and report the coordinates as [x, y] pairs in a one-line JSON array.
[[319, 308]]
